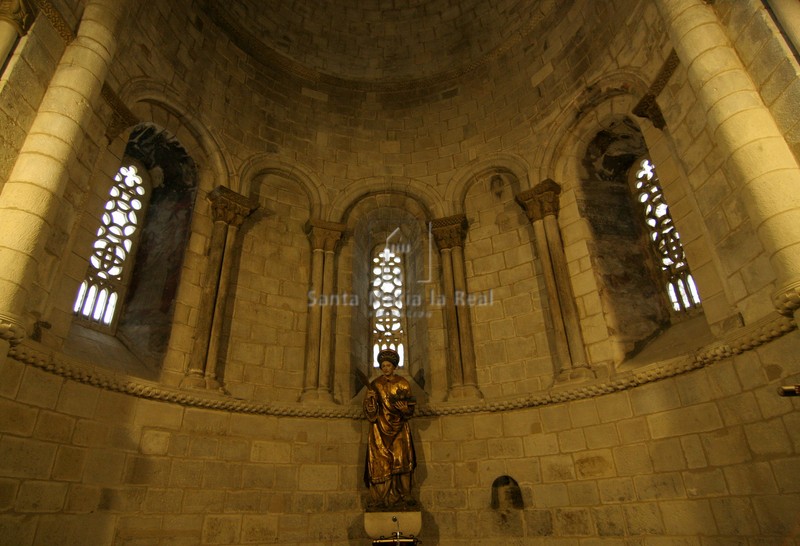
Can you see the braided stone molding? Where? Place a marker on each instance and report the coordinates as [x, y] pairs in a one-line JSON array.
[[648, 107], [57, 20], [259, 51], [740, 341], [121, 117]]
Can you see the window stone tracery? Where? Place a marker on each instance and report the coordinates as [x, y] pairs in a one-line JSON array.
[[110, 261], [665, 239]]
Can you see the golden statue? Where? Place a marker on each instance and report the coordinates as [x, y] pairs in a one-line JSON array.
[[391, 460]]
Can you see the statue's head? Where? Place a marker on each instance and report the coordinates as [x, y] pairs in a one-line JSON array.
[[389, 354]]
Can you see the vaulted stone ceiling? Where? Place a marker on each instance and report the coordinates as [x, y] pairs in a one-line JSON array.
[[369, 43]]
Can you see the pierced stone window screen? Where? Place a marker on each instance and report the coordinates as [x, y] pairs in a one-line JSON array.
[[665, 240], [99, 295], [387, 304]]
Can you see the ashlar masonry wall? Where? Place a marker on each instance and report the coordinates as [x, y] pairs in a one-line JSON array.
[[703, 457]]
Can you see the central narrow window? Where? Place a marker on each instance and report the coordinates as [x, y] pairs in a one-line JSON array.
[[386, 303], [666, 240]]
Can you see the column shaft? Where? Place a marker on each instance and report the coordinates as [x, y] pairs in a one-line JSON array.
[[219, 307], [572, 325], [32, 194], [205, 315], [745, 131], [313, 333], [469, 372], [326, 326], [454, 367], [553, 300]]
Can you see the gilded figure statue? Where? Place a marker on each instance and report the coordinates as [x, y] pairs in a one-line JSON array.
[[390, 464]]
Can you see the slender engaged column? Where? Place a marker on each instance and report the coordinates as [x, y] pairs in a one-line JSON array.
[[324, 238], [228, 210], [533, 210], [463, 376], [455, 376], [541, 205], [746, 133], [16, 17], [30, 198]]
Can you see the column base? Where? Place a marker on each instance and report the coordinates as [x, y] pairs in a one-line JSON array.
[[464, 392], [576, 374], [317, 396], [387, 524], [199, 382]]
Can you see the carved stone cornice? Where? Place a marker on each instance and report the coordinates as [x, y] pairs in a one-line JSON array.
[[541, 200], [121, 116], [450, 231], [18, 13], [324, 235], [230, 207]]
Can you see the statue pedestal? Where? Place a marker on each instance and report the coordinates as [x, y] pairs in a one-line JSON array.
[[384, 524]]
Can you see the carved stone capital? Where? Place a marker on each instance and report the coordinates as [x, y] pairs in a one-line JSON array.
[[450, 231], [11, 330], [324, 235], [19, 13], [541, 200], [230, 207]]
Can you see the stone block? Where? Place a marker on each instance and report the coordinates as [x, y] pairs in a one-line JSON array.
[[78, 399], [505, 448], [572, 522], [318, 477], [26, 458], [609, 521], [258, 529], [203, 501], [158, 414], [644, 518], [221, 529], [633, 430], [203, 447], [39, 388], [41, 496], [705, 483], [777, 514], [667, 455], [54, 427], [601, 436], [583, 493], [667, 485], [688, 420], [557, 468], [244, 500], [204, 421], [18, 419], [141, 470], [540, 444], [594, 464], [69, 464], [726, 447], [768, 438], [632, 459], [734, 516], [688, 517], [222, 475], [154, 442], [750, 479], [571, 440], [271, 452]]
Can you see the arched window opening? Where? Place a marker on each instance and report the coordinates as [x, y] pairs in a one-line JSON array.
[[386, 303], [665, 240], [111, 259]]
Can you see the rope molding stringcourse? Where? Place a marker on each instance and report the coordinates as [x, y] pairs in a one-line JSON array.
[[741, 341]]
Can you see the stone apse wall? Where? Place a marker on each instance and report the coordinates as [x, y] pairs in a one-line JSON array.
[[694, 449]]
